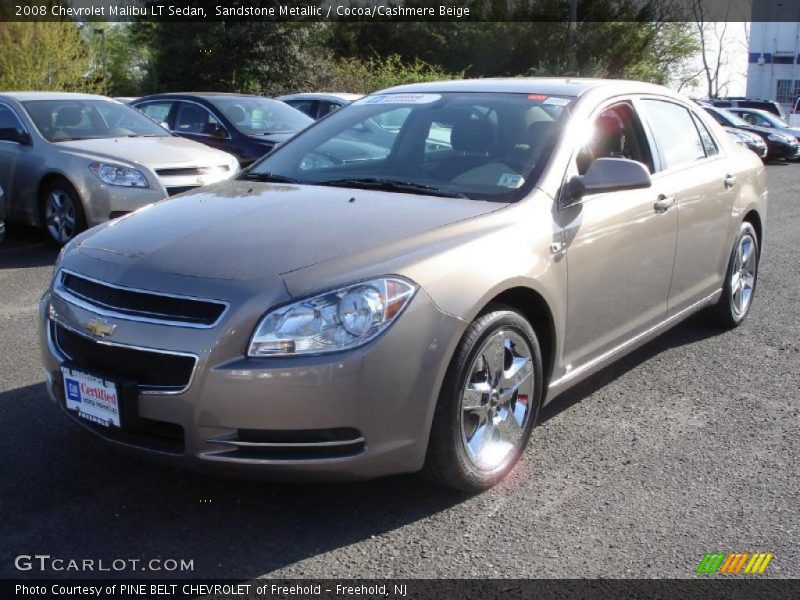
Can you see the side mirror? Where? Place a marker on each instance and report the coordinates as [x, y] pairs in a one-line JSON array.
[[12, 134], [608, 175]]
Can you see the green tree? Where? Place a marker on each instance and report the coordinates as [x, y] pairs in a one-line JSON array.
[[46, 56], [120, 56], [366, 76]]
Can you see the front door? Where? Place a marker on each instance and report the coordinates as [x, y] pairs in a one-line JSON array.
[[620, 247]]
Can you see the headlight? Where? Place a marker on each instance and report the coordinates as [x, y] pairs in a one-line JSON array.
[[118, 175], [337, 320], [777, 137]]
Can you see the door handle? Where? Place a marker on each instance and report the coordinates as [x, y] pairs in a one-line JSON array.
[[729, 181], [663, 203]]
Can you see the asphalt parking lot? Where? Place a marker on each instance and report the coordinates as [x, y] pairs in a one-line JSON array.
[[688, 446]]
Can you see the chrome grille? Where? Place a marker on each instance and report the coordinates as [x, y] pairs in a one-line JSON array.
[[190, 171], [141, 304]]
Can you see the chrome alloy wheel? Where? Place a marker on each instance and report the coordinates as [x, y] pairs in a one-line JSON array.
[[60, 216], [496, 400], [743, 276]]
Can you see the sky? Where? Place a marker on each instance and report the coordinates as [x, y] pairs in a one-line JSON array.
[[734, 70]]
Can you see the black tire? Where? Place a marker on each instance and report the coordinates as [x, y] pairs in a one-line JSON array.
[[447, 461], [724, 313], [65, 190]]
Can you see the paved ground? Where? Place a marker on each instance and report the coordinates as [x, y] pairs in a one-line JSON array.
[[690, 445]]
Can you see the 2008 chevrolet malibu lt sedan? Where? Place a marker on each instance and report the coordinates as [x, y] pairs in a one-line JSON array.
[[329, 318]]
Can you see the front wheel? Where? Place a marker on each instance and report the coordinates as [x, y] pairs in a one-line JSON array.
[[489, 403], [62, 212], [740, 280]]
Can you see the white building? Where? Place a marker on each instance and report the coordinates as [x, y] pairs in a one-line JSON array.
[[773, 70]]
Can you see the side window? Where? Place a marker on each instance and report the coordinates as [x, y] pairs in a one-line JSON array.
[[674, 132], [326, 107], [762, 121], [8, 120], [749, 117], [718, 118], [158, 111], [709, 145], [617, 132], [308, 107], [193, 118]]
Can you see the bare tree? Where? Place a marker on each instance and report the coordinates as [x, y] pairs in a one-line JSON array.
[[712, 48]]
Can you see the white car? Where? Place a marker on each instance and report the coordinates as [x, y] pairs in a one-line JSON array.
[[72, 161], [317, 105]]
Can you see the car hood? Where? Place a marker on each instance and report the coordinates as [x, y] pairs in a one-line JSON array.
[[762, 131], [273, 139], [149, 151], [243, 230]]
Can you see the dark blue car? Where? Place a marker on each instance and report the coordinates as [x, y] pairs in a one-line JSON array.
[[246, 126]]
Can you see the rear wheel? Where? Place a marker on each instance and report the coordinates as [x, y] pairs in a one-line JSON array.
[[488, 405], [62, 212], [740, 280]]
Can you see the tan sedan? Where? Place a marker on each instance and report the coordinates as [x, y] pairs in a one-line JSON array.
[[70, 161], [412, 309]]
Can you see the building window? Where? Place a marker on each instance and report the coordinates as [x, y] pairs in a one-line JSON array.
[[785, 90]]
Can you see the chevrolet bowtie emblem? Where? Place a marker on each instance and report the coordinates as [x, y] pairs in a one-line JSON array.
[[101, 327]]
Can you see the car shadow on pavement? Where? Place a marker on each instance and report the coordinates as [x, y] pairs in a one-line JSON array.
[[25, 247], [694, 329], [68, 494]]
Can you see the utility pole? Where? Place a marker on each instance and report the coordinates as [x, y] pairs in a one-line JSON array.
[[573, 26], [102, 33]]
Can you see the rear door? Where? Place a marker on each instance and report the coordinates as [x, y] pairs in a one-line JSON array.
[[695, 175]]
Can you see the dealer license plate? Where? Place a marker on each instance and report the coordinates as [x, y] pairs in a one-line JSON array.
[[93, 398]]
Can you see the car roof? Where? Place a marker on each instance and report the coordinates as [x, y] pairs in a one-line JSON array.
[[25, 96], [200, 95], [751, 109], [321, 96], [572, 86]]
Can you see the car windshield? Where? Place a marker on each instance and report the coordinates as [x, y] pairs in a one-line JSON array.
[[726, 117], [475, 145], [774, 119], [83, 119], [261, 116]]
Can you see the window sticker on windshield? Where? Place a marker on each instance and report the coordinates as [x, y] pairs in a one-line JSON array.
[[511, 180], [400, 99], [537, 97], [553, 101]]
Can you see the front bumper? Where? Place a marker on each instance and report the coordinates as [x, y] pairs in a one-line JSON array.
[[781, 150], [351, 415]]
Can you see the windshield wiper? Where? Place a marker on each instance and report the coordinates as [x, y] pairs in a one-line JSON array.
[[390, 185], [268, 178]]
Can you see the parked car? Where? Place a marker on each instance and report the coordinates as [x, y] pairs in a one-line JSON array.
[[71, 161], [415, 310], [2, 215], [749, 140], [317, 105], [779, 145], [738, 102], [126, 99], [762, 118], [246, 126]]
